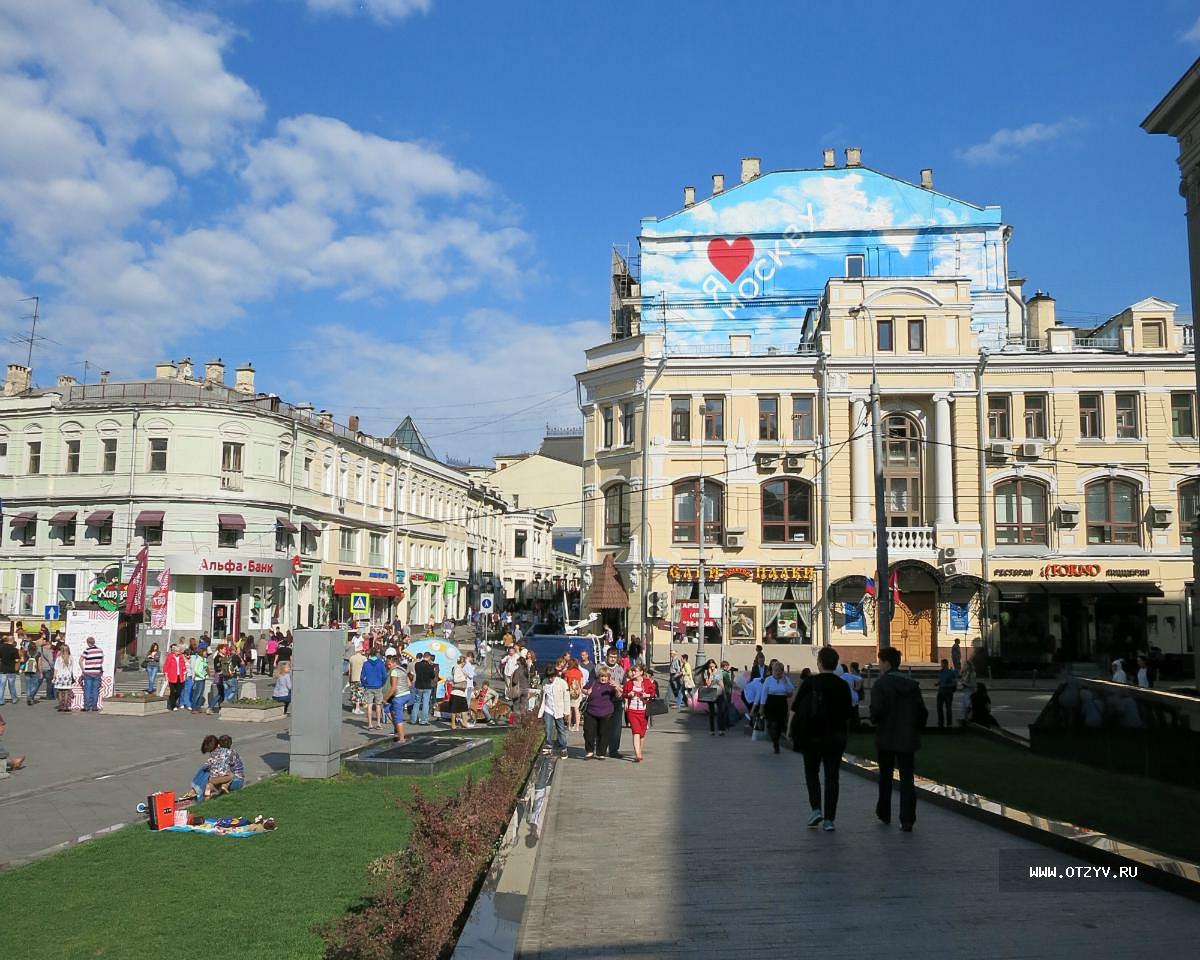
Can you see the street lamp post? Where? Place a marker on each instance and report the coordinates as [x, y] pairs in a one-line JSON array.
[[701, 616]]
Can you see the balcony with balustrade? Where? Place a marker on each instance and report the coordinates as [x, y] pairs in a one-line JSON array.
[[911, 541]]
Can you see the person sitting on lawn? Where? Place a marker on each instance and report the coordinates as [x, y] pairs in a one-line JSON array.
[[200, 781], [236, 767], [981, 707]]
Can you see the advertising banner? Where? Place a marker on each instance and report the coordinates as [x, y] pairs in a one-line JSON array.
[[135, 600], [102, 625], [158, 601]]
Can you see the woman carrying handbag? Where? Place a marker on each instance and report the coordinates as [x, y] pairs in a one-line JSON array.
[[713, 694]]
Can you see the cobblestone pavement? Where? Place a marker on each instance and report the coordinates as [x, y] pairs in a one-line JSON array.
[[702, 851]]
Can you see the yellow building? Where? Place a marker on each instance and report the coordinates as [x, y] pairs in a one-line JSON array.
[[1040, 479]]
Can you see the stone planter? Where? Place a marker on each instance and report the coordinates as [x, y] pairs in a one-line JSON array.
[[133, 706], [248, 713]]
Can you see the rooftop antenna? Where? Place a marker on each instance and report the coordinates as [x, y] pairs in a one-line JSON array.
[[33, 337]]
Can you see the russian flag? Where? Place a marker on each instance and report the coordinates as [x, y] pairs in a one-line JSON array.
[[869, 587], [893, 583]]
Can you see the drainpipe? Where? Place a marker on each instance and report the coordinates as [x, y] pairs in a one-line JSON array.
[[981, 416], [643, 524], [823, 455], [132, 464], [292, 588]]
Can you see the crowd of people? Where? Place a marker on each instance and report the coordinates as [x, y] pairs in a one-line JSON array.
[[195, 666], [45, 662]]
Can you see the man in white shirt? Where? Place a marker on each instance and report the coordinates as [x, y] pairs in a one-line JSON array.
[[752, 693], [556, 707]]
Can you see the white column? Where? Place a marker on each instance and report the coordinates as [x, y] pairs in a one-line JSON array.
[[860, 462], [943, 453]]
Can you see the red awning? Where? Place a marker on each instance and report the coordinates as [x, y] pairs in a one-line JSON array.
[[21, 519], [62, 517], [376, 588], [150, 518], [98, 517], [285, 524], [311, 528], [231, 521]]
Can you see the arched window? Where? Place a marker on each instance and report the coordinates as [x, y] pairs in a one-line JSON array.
[[787, 511], [1021, 512], [902, 471], [1189, 509], [686, 500], [1114, 512], [616, 514]]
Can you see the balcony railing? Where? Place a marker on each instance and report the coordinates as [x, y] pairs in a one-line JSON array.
[[901, 539], [231, 479]]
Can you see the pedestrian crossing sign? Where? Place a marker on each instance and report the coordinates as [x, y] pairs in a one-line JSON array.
[[360, 603]]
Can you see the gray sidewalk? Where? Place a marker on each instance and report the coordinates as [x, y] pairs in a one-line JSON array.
[[702, 850]]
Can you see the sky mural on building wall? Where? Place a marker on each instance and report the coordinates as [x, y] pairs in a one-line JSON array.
[[756, 257]]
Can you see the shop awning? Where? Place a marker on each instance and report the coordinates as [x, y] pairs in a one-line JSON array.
[[285, 524], [21, 519], [231, 521], [311, 528], [62, 517], [98, 517], [150, 518], [376, 588], [1131, 588]]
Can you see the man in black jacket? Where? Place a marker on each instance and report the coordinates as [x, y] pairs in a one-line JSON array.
[[823, 708], [899, 714]]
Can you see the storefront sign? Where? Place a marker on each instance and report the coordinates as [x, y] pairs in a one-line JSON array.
[[426, 577], [1072, 571], [376, 575], [233, 565], [689, 613], [297, 564], [759, 574], [108, 592], [399, 576]]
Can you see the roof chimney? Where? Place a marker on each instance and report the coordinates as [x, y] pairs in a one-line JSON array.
[[104, 376], [718, 183], [325, 420], [751, 168], [66, 380], [353, 423], [18, 380], [689, 197], [244, 379], [165, 370], [927, 178], [854, 156], [185, 368], [214, 371], [828, 158], [1039, 311]]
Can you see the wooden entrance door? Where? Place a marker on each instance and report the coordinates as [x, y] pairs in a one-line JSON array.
[[912, 626]]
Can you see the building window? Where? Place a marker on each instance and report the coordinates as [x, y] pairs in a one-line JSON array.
[[228, 536], [681, 418], [327, 478], [802, 418], [1153, 335], [67, 532], [72, 456], [308, 463], [856, 265], [26, 533], [768, 418], [3, 457], [64, 593], [34, 462], [373, 490], [686, 527], [1127, 416], [283, 466], [1035, 416], [1183, 414], [1021, 513], [308, 541], [999, 422], [714, 418], [375, 547], [25, 601], [104, 532], [158, 455], [109, 454], [608, 427], [520, 543], [1091, 417], [627, 424], [902, 472], [1189, 509], [787, 612], [1113, 512], [347, 545], [152, 534], [883, 336], [616, 514], [916, 335], [786, 511], [283, 539]]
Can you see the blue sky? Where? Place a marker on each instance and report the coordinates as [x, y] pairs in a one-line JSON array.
[[406, 206]]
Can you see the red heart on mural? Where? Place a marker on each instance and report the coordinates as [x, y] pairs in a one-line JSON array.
[[730, 258]]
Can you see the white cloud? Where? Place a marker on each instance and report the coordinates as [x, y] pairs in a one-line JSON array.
[[1007, 143], [1192, 35], [383, 11]]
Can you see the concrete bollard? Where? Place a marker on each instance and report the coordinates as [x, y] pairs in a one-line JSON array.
[[316, 709]]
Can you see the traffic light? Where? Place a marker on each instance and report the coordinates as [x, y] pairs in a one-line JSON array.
[[651, 605], [663, 609]]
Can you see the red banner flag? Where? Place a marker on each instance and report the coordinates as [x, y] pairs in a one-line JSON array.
[[158, 601], [135, 599]]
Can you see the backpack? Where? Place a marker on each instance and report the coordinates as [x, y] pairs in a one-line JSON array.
[[809, 722]]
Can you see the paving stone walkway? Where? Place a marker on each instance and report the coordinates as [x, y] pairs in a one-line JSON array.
[[702, 851]]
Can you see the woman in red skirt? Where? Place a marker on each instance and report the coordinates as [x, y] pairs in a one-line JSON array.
[[639, 691]]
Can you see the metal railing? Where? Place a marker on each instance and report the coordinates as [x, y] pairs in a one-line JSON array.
[[723, 350], [910, 538], [1098, 343], [231, 479], [1023, 343]]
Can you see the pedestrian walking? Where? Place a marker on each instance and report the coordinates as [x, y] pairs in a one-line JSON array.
[[966, 684], [424, 682], [64, 678], [354, 679], [899, 714], [616, 673], [399, 691], [520, 685], [10, 661], [822, 709], [688, 678], [777, 690], [30, 673], [956, 655], [91, 668], [675, 681], [175, 670], [573, 676], [713, 694], [602, 696], [199, 665], [459, 707], [555, 711], [282, 689], [947, 683], [374, 678], [151, 665], [638, 691], [46, 656]]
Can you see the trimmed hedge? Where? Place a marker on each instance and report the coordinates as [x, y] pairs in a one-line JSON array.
[[420, 893]]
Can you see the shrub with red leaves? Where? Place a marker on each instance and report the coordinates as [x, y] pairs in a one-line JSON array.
[[420, 893]]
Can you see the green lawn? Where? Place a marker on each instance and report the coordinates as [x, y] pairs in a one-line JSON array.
[[138, 894], [1146, 812]]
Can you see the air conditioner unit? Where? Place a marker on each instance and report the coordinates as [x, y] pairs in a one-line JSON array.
[[735, 541], [1160, 515], [1031, 451], [1068, 514], [949, 554], [998, 451], [950, 569], [765, 461], [793, 462]]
